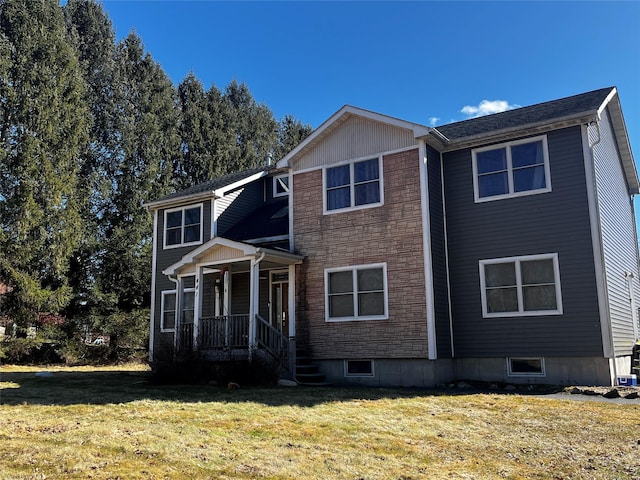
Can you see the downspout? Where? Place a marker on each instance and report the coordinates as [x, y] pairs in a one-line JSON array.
[[599, 254], [178, 303], [426, 249], [254, 300]]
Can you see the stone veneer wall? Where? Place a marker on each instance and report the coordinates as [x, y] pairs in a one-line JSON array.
[[391, 233]]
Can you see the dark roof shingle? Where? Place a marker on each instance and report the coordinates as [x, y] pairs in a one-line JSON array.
[[215, 184], [519, 117]]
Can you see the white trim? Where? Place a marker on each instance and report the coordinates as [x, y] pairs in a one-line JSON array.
[[354, 269], [276, 181], [426, 250], [292, 301], [290, 205], [220, 192], [214, 218], [511, 373], [517, 260], [182, 227], [163, 294], [507, 146], [154, 261], [352, 205], [446, 255], [351, 375], [598, 254]]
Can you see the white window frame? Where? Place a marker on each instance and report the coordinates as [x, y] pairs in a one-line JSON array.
[[351, 375], [277, 181], [162, 311], [511, 373], [507, 146], [182, 209], [521, 312], [352, 206], [354, 269]]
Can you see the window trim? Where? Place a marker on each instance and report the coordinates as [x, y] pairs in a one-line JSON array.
[[521, 312], [356, 317], [162, 311], [507, 146], [165, 246], [352, 205], [511, 373], [352, 375], [275, 185]]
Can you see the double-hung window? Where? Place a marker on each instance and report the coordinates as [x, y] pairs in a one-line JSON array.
[[168, 316], [170, 308], [356, 293], [353, 185], [511, 169], [521, 286], [183, 226]]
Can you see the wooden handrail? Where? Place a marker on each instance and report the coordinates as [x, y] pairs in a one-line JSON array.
[[272, 340]]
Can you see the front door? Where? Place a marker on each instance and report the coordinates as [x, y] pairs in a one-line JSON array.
[[280, 301]]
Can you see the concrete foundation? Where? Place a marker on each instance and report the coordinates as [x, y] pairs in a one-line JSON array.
[[429, 373]]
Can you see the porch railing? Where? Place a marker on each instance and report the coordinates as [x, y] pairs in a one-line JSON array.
[[224, 331], [270, 339], [185, 337]]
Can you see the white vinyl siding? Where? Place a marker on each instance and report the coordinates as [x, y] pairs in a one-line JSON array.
[[512, 169], [618, 230], [520, 286]]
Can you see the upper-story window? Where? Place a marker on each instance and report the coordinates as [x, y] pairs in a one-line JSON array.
[[353, 185], [183, 226], [511, 169], [281, 185]]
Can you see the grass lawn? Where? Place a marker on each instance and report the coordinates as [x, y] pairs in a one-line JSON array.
[[111, 424]]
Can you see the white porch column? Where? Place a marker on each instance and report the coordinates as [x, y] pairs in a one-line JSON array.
[[226, 298], [178, 327], [197, 307], [254, 288]]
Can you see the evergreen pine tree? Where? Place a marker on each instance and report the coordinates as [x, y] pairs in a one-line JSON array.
[[44, 129]]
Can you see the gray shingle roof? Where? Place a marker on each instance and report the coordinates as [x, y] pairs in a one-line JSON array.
[[541, 112], [214, 184]]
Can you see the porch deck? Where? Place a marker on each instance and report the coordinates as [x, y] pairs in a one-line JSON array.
[[227, 337]]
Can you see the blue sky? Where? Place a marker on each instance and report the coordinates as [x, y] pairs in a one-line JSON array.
[[419, 61]]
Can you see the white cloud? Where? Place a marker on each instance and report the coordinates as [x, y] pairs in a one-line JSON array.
[[433, 121], [487, 107]]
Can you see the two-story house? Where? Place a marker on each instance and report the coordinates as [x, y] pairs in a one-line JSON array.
[[501, 248]]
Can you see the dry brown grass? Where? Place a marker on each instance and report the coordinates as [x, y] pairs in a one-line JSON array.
[[112, 424]]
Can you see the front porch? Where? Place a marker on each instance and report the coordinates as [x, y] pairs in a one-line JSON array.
[[233, 302]]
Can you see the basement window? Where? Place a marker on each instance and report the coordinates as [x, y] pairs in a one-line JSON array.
[[525, 367], [358, 368]]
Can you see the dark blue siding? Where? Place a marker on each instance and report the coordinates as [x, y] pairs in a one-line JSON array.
[[554, 222], [440, 290]]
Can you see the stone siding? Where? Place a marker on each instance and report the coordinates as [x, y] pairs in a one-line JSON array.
[[390, 233]]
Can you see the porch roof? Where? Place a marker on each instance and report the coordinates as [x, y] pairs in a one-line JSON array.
[[219, 251]]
